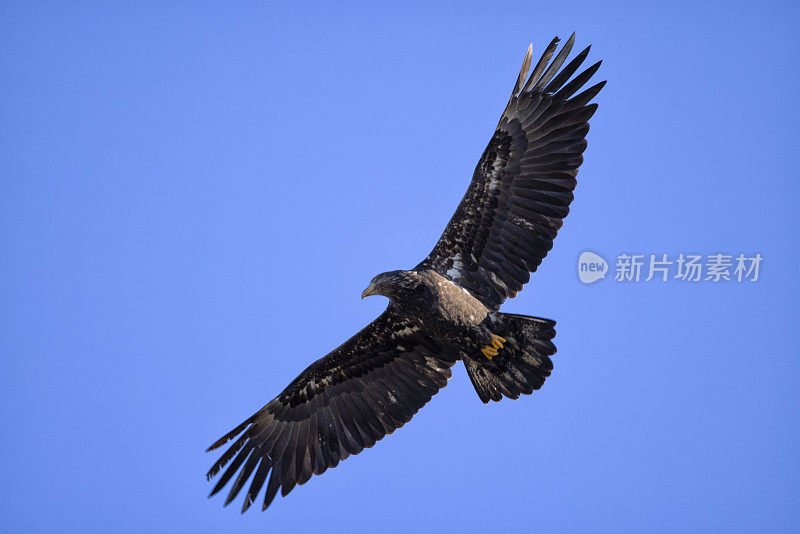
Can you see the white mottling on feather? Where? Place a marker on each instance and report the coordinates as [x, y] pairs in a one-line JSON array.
[[404, 332], [455, 271], [522, 223]]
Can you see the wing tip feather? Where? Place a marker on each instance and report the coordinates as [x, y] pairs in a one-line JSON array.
[[230, 435], [523, 72]]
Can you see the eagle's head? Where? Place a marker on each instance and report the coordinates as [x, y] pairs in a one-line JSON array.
[[393, 284]]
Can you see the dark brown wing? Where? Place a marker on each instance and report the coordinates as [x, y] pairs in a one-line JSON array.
[[522, 186], [343, 403]]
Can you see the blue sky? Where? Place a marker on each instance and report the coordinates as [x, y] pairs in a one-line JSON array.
[[193, 196]]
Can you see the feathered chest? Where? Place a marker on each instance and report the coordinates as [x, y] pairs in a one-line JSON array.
[[441, 304]]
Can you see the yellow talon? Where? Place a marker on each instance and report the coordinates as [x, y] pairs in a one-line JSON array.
[[488, 352], [497, 341], [491, 350], [496, 344]]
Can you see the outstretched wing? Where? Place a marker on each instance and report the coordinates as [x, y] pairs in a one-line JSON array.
[[522, 186], [341, 404]]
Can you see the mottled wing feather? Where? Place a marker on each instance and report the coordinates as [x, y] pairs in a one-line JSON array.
[[341, 404], [522, 186]]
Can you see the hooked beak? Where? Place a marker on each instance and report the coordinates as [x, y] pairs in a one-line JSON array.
[[369, 291]]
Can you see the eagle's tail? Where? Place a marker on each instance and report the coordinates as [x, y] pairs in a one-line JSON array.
[[522, 363]]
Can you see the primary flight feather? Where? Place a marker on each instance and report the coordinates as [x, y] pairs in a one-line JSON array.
[[443, 310]]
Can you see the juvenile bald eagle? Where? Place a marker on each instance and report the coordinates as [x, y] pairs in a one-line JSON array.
[[443, 310]]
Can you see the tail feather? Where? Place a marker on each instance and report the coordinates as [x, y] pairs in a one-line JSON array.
[[523, 364]]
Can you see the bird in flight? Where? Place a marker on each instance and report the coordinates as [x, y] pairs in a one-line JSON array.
[[443, 310]]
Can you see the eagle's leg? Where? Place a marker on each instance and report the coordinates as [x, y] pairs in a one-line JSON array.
[[490, 350]]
